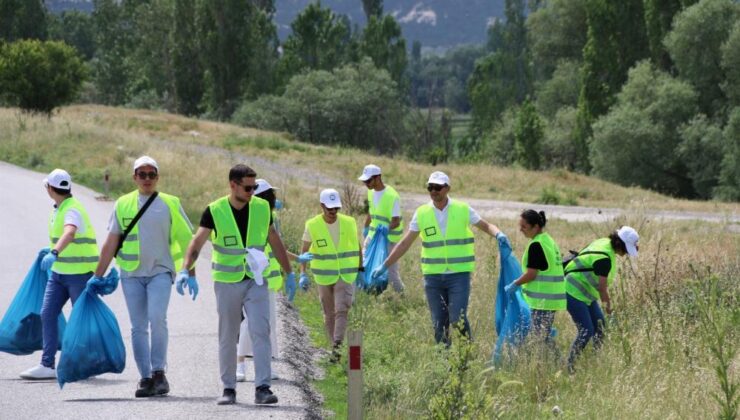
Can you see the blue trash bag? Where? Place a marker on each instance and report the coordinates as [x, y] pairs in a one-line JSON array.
[[20, 328], [512, 315], [93, 344], [375, 254]]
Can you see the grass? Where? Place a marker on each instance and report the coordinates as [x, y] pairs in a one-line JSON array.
[[671, 353]]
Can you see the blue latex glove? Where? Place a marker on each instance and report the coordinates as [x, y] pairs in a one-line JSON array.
[[305, 257], [379, 271], [290, 286], [47, 261], [111, 282], [180, 280], [278, 204], [304, 282], [510, 288], [96, 284], [365, 231], [193, 286]]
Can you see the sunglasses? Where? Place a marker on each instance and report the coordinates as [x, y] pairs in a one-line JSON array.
[[435, 187], [247, 188], [145, 175]]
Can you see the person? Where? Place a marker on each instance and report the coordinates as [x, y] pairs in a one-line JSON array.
[[239, 226], [384, 210], [333, 240], [274, 279], [542, 281], [587, 279], [447, 255], [149, 257], [72, 257]]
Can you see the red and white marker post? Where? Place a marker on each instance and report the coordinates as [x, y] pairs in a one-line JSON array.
[[354, 376]]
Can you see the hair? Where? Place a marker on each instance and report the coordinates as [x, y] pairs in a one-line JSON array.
[[534, 218], [241, 171], [269, 196], [61, 191], [617, 242]]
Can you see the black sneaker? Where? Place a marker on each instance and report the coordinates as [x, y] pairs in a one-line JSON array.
[[161, 386], [229, 397], [146, 388], [263, 395]]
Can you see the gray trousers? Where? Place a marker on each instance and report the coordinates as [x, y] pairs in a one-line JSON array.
[[230, 299]]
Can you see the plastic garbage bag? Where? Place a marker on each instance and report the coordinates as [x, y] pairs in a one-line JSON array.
[[93, 344], [512, 315], [375, 254], [20, 328]]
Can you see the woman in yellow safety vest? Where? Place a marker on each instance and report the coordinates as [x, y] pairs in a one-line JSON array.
[[542, 279]]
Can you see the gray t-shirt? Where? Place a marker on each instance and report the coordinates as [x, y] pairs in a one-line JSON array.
[[154, 239]]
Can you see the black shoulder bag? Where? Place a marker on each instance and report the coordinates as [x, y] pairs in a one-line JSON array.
[[134, 221]]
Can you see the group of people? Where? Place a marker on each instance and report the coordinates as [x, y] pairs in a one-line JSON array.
[[153, 243]]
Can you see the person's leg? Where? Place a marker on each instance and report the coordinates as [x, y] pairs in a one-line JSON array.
[[75, 284], [159, 289], [598, 321], [579, 313], [458, 286], [257, 306], [343, 293], [55, 296], [245, 343], [229, 302], [436, 295], [394, 273], [273, 325], [326, 296], [134, 292]]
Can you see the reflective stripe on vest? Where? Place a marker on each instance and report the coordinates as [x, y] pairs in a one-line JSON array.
[[383, 213], [80, 256], [331, 261], [228, 259], [580, 280], [547, 290], [455, 251], [180, 231], [272, 274]]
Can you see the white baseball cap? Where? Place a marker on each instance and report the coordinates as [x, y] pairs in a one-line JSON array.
[[145, 161], [630, 237], [369, 172], [262, 186], [59, 178], [439, 178], [330, 198]]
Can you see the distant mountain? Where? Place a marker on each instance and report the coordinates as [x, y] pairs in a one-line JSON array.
[[436, 23]]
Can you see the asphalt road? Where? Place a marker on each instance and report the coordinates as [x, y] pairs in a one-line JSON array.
[[193, 344]]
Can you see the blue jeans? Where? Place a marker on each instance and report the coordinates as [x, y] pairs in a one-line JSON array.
[[590, 324], [447, 296], [147, 299], [59, 289]]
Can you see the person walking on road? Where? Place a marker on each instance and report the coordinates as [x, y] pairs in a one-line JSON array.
[[384, 210], [240, 227], [542, 280], [447, 255], [332, 239], [587, 279], [148, 234], [72, 258]]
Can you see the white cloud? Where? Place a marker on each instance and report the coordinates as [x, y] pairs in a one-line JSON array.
[[419, 14]]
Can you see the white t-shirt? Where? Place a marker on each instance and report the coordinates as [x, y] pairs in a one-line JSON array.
[[441, 216], [74, 218], [378, 195]]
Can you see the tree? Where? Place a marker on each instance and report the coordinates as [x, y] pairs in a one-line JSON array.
[[557, 32], [372, 8], [113, 33], [701, 150], [731, 64], [729, 175], [658, 22], [76, 29], [383, 42], [695, 45], [39, 76], [561, 90], [528, 137], [22, 19], [186, 60]]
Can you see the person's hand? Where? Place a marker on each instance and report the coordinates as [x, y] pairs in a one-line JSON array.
[[510, 288], [304, 258], [47, 261], [290, 286], [193, 286], [378, 271], [365, 231], [96, 284], [608, 306], [180, 280], [278, 204], [303, 283]]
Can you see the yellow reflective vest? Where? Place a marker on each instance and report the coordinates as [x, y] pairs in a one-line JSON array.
[[81, 255], [382, 214], [331, 261], [547, 291], [580, 280], [453, 252]]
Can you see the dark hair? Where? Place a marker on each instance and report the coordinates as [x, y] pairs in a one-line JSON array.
[[61, 191], [533, 218], [269, 196], [617, 242], [241, 171]]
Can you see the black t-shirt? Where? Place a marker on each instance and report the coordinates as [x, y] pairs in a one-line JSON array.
[[537, 259], [602, 267], [241, 216]]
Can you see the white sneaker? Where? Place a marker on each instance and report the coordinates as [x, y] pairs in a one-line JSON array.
[[39, 372], [241, 372]]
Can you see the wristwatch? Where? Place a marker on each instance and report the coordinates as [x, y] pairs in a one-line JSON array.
[[54, 252]]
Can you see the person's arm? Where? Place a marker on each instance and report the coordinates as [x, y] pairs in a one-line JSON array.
[[107, 253], [279, 249], [306, 246], [67, 236], [604, 292], [367, 220], [196, 244], [395, 222], [527, 276], [489, 228], [403, 245]]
